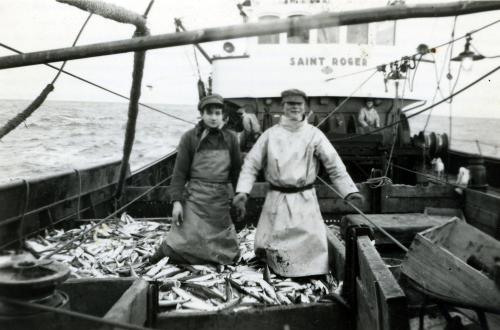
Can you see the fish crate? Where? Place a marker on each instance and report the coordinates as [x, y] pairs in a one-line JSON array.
[[457, 264]]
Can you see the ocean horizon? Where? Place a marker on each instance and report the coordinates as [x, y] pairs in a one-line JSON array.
[[66, 135]]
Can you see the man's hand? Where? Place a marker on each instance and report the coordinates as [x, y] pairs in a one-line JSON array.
[[355, 198], [177, 213], [239, 202]]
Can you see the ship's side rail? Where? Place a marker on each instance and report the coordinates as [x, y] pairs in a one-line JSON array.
[[27, 206]]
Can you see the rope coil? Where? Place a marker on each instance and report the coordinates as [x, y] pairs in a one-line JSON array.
[[110, 11]]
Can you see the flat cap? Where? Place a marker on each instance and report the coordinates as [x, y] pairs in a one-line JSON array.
[[210, 99], [293, 95]]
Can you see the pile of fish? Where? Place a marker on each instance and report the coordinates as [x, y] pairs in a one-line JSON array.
[[116, 248], [122, 247]]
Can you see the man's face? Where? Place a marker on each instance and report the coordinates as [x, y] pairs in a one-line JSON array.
[[294, 110], [369, 104], [212, 115]]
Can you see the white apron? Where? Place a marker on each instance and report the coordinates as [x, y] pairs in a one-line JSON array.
[[291, 234]]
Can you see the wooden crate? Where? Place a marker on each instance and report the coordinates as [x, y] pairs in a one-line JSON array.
[[440, 260]]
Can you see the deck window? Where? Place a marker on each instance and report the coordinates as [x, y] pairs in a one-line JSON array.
[[384, 33], [329, 35], [297, 35], [357, 34], [269, 38]]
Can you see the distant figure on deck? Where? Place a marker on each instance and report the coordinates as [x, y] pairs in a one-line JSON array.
[[368, 117], [463, 179], [438, 167], [291, 234], [208, 161], [251, 128]]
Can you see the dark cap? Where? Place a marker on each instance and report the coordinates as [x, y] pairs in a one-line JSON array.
[[210, 99], [293, 95]]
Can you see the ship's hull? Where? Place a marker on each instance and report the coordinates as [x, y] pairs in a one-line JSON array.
[[378, 297]]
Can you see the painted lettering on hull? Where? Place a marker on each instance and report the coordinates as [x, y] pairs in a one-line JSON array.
[[333, 61]]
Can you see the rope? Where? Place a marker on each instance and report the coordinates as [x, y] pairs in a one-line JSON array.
[[52, 224], [425, 109], [350, 74], [73, 45], [417, 54], [346, 99], [382, 230], [22, 116], [26, 203], [434, 178], [79, 193], [104, 219], [196, 61], [110, 11], [78, 315], [377, 182], [133, 111], [103, 88]]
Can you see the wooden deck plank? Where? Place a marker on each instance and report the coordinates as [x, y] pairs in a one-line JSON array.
[[313, 316], [380, 289], [132, 307], [403, 226], [414, 199]]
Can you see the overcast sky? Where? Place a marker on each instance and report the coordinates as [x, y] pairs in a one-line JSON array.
[[31, 25]]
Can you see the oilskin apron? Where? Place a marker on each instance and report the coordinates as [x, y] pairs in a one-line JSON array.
[[291, 234], [207, 233]]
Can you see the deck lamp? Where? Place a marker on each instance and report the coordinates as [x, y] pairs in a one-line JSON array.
[[467, 57]]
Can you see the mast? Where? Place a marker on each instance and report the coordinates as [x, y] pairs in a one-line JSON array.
[[250, 29]]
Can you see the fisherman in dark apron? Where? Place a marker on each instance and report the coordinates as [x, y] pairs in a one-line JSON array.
[[208, 161]]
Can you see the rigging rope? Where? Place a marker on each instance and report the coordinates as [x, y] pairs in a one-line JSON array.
[[346, 99], [382, 230], [443, 181], [133, 110], [26, 203], [23, 115], [423, 110], [103, 88], [74, 239], [417, 54], [111, 11]]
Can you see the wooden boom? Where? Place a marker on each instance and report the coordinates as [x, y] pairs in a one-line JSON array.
[[250, 29]]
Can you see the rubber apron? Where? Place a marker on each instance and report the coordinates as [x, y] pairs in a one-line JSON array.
[[207, 233]]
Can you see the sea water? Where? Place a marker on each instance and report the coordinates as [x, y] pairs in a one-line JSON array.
[[62, 136]]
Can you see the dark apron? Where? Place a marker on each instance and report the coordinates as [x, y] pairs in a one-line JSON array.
[[207, 233]]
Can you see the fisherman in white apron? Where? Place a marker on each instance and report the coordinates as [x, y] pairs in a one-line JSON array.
[[208, 161], [291, 234]]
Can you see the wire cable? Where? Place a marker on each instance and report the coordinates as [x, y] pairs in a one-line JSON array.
[[434, 178], [382, 230], [423, 110], [104, 219], [103, 88], [417, 54], [73, 45], [346, 99]]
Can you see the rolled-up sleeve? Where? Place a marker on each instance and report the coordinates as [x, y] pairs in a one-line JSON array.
[[334, 166], [253, 163]]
